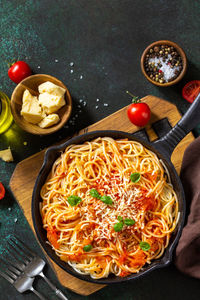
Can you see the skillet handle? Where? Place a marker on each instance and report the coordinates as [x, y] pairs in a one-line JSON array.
[[188, 122]]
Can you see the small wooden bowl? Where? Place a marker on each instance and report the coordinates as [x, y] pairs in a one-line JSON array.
[[31, 83], [178, 49]]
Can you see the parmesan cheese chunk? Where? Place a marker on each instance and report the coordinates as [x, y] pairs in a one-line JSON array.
[[51, 88], [50, 102], [49, 121], [6, 155], [31, 110]]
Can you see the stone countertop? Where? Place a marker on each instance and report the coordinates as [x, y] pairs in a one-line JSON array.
[[104, 40]]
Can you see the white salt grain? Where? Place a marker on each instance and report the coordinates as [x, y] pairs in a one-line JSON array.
[[84, 103], [97, 100], [71, 64], [56, 60], [81, 100], [38, 67], [15, 220], [9, 208], [105, 104], [96, 106], [81, 77], [71, 71]]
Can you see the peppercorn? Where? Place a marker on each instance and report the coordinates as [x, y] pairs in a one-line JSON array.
[[156, 49]]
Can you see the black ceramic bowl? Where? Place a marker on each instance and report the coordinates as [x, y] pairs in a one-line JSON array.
[[54, 152]]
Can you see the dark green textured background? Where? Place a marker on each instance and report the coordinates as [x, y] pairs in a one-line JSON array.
[[105, 40]]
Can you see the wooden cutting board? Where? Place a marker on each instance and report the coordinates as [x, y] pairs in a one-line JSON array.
[[164, 115]]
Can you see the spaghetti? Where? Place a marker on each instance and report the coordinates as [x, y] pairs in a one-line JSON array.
[[108, 207]]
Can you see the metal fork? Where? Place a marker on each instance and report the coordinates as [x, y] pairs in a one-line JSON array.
[[19, 280], [31, 264]]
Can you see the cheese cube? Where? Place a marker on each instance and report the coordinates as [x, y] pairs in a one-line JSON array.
[[49, 121], [51, 88], [6, 155], [31, 110], [51, 103]]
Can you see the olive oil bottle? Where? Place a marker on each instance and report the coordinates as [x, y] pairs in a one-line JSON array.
[[6, 117]]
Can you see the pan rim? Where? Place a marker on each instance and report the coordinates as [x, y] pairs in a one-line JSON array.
[[111, 279]]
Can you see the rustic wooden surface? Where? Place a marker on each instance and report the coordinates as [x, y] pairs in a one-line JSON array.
[[22, 181]]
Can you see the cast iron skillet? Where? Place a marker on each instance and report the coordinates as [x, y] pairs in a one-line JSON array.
[[163, 148]]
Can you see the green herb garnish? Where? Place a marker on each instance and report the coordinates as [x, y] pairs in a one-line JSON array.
[[135, 177], [145, 246], [118, 226], [119, 218], [94, 193], [87, 248], [106, 199], [129, 222], [74, 200]]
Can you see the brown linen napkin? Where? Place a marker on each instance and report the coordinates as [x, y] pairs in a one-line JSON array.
[[188, 250]]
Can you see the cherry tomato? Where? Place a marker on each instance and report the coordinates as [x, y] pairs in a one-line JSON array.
[[18, 71], [2, 191], [139, 113], [191, 90]]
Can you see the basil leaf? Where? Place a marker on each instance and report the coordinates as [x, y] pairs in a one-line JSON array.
[[106, 199], [129, 222], [145, 246], [94, 193], [118, 226], [74, 200], [119, 218], [87, 248], [135, 177]]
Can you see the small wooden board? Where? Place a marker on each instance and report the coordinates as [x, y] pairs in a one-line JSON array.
[[23, 179]]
